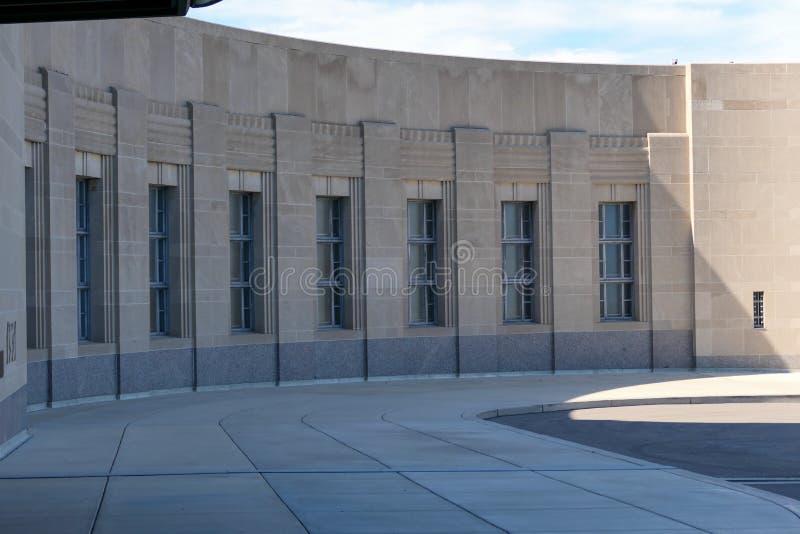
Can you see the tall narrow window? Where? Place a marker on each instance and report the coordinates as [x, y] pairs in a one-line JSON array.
[[159, 269], [758, 309], [241, 211], [329, 260], [518, 274], [421, 262], [616, 262], [82, 245]]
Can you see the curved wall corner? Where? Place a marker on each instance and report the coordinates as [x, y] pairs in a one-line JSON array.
[[203, 110], [13, 401]]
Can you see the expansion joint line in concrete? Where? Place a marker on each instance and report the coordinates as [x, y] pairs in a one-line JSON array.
[[627, 503], [255, 467], [108, 478], [467, 510], [383, 417], [340, 442], [443, 440]]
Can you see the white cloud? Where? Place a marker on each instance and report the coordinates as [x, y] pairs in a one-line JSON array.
[[606, 31]]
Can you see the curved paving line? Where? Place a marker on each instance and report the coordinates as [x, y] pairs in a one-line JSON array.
[[651, 401], [616, 499], [255, 467]]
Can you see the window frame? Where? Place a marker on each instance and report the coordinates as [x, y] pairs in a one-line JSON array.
[[83, 259], [331, 283], [524, 242], [623, 241], [158, 237], [758, 310], [427, 242], [242, 237]]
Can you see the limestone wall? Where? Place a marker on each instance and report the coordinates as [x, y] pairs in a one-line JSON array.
[[12, 239], [179, 60], [204, 110], [745, 130]]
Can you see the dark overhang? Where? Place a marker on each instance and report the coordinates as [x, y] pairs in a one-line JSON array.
[[13, 11]]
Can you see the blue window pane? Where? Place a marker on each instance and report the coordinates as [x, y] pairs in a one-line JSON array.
[[611, 220]]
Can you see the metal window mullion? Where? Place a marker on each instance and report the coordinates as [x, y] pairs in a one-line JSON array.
[[331, 284]]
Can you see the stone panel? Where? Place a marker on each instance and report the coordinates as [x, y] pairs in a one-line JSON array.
[[602, 350], [322, 360], [156, 370], [340, 359], [412, 356], [524, 352], [236, 364], [12, 414], [297, 361], [87, 376], [478, 354], [672, 349], [38, 382]]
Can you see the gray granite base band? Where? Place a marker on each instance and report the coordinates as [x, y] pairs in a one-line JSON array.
[[38, 382], [621, 349], [505, 353], [673, 349], [322, 360], [87, 376], [156, 370], [12, 414], [236, 364], [477, 354], [96, 376], [525, 352], [412, 356]]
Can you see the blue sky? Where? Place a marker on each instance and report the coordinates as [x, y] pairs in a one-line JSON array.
[[590, 31]]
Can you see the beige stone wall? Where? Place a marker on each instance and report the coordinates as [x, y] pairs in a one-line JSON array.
[[744, 129], [179, 60], [204, 110]]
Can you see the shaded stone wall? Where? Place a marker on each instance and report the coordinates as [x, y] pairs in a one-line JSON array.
[[13, 343]]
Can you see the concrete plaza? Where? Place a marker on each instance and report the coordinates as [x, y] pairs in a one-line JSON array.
[[401, 456]]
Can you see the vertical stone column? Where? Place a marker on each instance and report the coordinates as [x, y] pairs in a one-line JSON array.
[[355, 232], [447, 280], [478, 251], [103, 254], [208, 189], [544, 255], [182, 255], [296, 246], [133, 326], [641, 247], [265, 257], [385, 245], [575, 305], [60, 204], [37, 223]]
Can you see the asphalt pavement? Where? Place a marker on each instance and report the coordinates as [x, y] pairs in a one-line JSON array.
[[753, 443]]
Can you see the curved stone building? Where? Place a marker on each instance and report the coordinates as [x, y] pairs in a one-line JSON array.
[[188, 189]]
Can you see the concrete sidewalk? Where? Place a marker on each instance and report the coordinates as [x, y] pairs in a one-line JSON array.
[[403, 456]]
